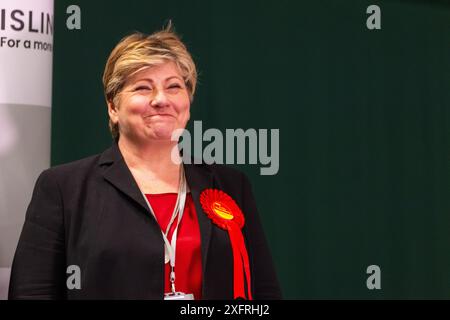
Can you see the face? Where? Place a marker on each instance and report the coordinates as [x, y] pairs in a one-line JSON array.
[[152, 104]]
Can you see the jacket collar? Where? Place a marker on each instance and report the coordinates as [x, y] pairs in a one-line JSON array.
[[198, 177], [119, 175]]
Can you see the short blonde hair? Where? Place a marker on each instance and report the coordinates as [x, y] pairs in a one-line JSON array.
[[138, 51]]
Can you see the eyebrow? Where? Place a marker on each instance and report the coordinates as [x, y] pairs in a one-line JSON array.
[[169, 78]]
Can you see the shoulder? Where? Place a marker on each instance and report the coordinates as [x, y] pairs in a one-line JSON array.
[[77, 172], [229, 179], [225, 171], [72, 169]]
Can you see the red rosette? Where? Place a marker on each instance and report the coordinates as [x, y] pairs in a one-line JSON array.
[[226, 214], [221, 208]]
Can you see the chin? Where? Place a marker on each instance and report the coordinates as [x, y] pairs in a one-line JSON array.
[[160, 135]]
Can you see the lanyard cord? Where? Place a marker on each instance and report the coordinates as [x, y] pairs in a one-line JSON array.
[[170, 247]]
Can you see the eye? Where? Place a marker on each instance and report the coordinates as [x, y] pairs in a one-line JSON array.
[[140, 88], [175, 86]]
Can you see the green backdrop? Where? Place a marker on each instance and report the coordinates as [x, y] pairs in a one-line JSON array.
[[363, 116]]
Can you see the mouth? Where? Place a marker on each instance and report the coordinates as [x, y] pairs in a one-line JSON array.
[[159, 115]]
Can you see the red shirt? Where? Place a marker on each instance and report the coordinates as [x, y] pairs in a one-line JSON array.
[[188, 260]]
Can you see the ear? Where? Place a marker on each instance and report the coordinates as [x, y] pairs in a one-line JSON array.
[[113, 112]]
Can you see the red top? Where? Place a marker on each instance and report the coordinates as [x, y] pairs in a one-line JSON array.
[[188, 260]]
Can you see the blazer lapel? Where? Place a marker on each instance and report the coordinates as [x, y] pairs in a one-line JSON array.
[[200, 178], [119, 175]]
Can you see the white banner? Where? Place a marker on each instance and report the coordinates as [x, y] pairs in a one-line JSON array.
[[26, 46]]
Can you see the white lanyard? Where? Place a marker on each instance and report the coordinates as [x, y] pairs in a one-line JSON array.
[[170, 247]]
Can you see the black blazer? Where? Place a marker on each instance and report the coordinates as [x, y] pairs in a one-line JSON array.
[[91, 213]]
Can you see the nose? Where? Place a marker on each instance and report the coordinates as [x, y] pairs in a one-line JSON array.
[[159, 99]]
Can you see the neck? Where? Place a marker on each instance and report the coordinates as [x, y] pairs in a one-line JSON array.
[[153, 156]]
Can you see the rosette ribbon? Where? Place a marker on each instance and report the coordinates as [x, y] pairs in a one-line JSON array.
[[226, 214]]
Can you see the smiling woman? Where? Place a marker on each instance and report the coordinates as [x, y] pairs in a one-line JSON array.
[[153, 103], [125, 216]]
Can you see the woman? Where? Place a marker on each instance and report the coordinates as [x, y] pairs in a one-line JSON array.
[[134, 223]]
